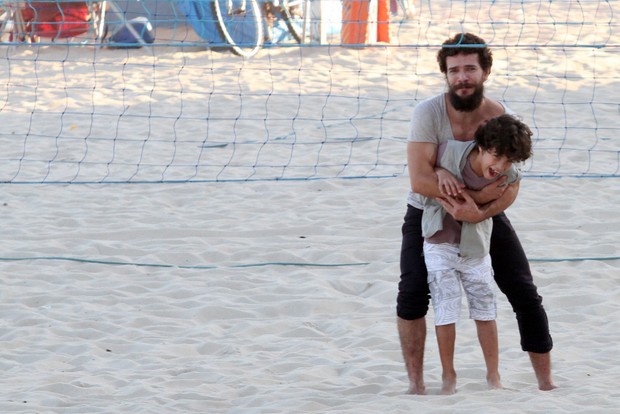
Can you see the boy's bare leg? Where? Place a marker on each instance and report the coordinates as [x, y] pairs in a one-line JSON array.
[[487, 336], [412, 337], [446, 336], [542, 368]]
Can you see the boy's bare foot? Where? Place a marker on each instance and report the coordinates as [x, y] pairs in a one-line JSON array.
[[449, 384], [416, 389], [494, 381]]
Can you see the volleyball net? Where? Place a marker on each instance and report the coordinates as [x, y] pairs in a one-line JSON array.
[[147, 92]]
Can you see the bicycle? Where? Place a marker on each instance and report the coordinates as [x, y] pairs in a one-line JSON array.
[[245, 25]]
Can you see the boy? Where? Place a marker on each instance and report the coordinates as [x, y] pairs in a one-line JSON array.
[[458, 252]]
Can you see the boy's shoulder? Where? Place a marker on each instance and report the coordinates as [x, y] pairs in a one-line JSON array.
[[453, 152]]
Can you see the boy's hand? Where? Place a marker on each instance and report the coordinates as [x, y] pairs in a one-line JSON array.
[[449, 185]]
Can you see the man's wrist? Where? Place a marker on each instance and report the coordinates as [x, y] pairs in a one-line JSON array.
[[479, 197], [489, 210]]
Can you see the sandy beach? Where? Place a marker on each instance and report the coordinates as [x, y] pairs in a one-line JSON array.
[[162, 290], [257, 297]]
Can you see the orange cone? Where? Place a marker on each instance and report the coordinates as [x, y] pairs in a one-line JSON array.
[[355, 16], [383, 21], [354, 21]]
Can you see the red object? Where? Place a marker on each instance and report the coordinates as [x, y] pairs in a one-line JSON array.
[[355, 21], [56, 19], [383, 21]]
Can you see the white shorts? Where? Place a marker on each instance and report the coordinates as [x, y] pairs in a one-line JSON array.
[[447, 271]]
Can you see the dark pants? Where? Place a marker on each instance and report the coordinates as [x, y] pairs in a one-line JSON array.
[[512, 275]]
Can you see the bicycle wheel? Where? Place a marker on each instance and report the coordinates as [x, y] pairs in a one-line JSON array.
[[240, 23], [294, 13]]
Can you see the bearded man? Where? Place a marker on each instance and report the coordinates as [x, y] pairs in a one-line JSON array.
[[465, 60]]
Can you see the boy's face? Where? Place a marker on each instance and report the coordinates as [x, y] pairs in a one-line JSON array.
[[493, 165]]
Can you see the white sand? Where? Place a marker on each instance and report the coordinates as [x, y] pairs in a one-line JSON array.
[[90, 337], [279, 297]]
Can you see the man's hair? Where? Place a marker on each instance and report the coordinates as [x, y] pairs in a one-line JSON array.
[[467, 44], [507, 136]]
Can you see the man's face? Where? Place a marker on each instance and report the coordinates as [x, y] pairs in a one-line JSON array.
[[465, 82]]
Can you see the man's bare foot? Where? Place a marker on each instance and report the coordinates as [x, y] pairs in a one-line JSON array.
[[542, 368], [449, 384], [494, 381], [546, 386]]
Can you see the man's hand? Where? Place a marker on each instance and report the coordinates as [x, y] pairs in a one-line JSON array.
[[462, 208], [491, 191]]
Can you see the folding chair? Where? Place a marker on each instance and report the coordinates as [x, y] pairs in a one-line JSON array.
[[29, 21]]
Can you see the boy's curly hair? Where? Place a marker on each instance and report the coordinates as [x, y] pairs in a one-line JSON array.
[[507, 136], [468, 44]]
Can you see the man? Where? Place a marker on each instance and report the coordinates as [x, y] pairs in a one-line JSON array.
[[466, 62]]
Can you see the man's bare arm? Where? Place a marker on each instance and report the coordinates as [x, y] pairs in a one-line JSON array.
[[421, 159], [490, 192], [500, 204]]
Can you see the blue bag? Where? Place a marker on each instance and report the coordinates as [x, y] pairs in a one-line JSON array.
[[141, 26], [200, 15], [241, 26]]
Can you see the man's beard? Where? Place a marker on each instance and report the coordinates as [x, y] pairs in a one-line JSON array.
[[468, 103]]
